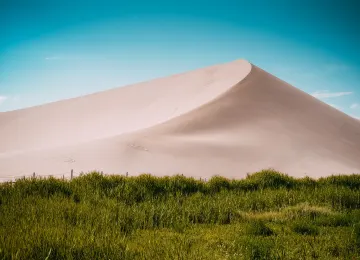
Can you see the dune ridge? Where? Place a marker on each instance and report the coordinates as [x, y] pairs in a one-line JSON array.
[[227, 119], [115, 111]]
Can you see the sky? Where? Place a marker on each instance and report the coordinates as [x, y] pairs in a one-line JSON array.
[[52, 50]]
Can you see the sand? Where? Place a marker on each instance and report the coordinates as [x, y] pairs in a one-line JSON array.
[[229, 120]]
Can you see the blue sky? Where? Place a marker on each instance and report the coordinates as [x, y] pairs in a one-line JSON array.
[[51, 50]]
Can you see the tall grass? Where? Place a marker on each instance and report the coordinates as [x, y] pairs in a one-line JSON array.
[[267, 215]]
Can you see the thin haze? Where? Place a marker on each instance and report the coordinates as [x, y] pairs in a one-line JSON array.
[[51, 50]]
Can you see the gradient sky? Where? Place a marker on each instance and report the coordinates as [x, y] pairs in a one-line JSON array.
[[51, 50]]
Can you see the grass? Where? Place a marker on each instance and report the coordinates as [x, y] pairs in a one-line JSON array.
[[259, 228], [304, 228], [267, 215]]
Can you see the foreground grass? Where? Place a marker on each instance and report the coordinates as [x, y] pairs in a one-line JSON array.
[[268, 215]]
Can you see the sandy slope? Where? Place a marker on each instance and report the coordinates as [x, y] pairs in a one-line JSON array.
[[227, 119]]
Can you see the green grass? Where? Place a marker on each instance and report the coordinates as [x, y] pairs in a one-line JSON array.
[[267, 215], [304, 228]]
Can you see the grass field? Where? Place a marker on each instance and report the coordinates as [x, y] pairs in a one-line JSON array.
[[268, 215]]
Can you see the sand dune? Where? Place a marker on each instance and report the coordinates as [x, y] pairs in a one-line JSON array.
[[228, 119]]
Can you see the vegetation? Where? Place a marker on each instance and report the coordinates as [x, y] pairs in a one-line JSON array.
[[267, 215]]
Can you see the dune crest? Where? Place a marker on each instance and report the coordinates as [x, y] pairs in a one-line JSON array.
[[228, 119], [116, 111]]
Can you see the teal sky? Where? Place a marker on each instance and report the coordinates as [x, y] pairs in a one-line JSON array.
[[51, 50]]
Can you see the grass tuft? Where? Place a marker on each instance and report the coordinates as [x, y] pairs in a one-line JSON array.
[[304, 210], [305, 228], [259, 228]]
